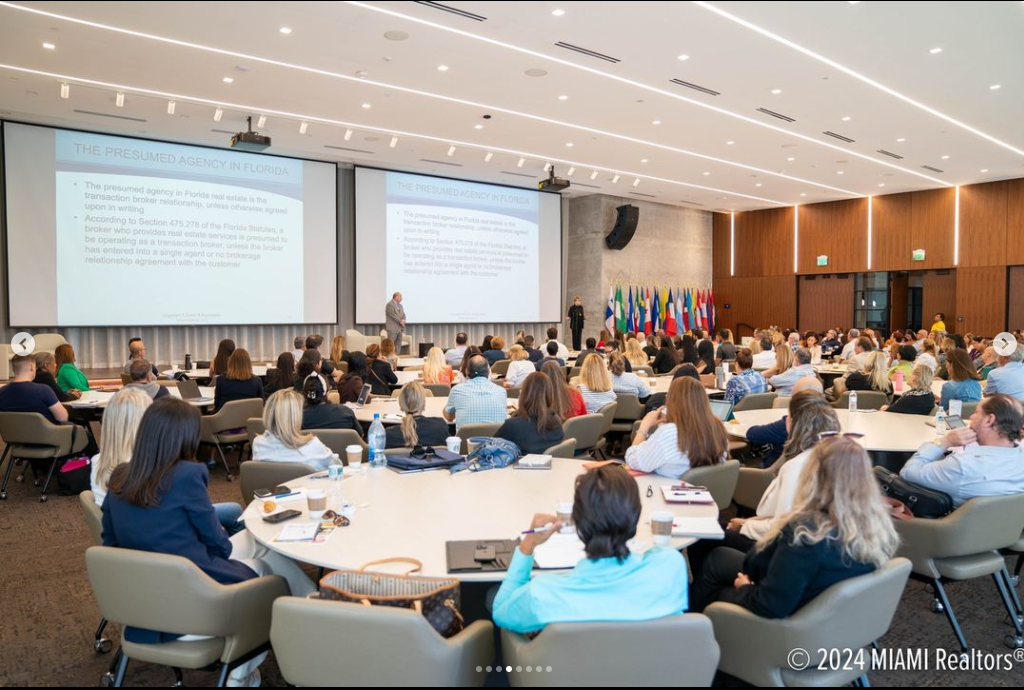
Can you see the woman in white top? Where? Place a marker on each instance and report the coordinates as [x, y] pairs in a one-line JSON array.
[[283, 440], [810, 416], [635, 354], [595, 384], [624, 381], [519, 368], [929, 356], [681, 435], [811, 339], [121, 420]]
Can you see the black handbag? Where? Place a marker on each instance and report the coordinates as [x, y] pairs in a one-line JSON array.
[[919, 500], [74, 476]]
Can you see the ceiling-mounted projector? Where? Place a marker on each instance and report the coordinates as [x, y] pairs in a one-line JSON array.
[[250, 140], [553, 184]]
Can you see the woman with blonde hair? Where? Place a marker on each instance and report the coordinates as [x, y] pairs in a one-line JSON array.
[[686, 435], [415, 429], [783, 361], [595, 384], [840, 528], [519, 368], [919, 399], [929, 355], [435, 368], [874, 377], [387, 352], [121, 419], [635, 354], [283, 440], [338, 352]]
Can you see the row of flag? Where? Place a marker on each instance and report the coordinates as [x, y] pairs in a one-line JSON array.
[[649, 310]]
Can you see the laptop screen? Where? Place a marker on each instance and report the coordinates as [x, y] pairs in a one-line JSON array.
[[721, 409]]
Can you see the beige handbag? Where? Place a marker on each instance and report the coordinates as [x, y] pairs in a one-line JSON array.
[[435, 598]]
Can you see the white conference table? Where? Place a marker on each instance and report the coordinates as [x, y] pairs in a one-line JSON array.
[[94, 398], [257, 370], [414, 515], [883, 431], [389, 410]]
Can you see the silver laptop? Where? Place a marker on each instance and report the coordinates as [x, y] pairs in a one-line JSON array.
[[189, 391]]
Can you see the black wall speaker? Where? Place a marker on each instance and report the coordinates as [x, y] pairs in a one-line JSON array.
[[625, 225]]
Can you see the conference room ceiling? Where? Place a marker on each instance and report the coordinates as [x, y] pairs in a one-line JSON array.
[[867, 71]]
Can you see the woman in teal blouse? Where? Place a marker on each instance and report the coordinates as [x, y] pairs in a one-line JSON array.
[[69, 376], [610, 584]]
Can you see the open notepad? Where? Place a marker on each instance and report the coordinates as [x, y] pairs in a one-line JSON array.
[[697, 527], [298, 531]]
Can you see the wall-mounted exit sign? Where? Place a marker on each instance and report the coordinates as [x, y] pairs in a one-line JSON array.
[[823, 260], [918, 255]]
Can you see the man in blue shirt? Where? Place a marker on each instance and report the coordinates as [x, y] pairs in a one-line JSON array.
[[1008, 378], [611, 583], [454, 356], [783, 383], [477, 401], [747, 381], [22, 395]]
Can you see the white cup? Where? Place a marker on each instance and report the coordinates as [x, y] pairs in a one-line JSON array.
[[661, 527], [563, 511], [316, 497], [354, 455], [454, 444]]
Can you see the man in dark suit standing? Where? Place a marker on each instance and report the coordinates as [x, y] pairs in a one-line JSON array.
[[394, 320]]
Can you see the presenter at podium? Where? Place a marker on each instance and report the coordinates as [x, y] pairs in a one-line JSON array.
[[394, 320], [575, 319]]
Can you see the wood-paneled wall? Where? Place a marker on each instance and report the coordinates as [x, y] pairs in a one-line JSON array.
[[979, 295], [757, 301], [825, 301]]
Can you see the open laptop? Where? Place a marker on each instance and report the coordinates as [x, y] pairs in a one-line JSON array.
[[721, 409], [189, 391]]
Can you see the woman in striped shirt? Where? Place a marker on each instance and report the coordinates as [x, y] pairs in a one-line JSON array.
[[595, 384], [624, 381]]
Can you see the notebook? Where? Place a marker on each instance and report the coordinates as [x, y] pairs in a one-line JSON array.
[[698, 527], [534, 461], [690, 495], [298, 531]]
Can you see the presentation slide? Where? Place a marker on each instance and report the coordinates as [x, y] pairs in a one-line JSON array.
[[112, 231], [459, 252]]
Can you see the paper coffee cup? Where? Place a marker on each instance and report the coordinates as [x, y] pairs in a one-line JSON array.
[[454, 444], [661, 527]]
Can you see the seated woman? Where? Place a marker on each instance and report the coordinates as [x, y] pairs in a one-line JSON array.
[[379, 372], [611, 583], [840, 528], [69, 376], [919, 398], [667, 357], [283, 440], [282, 376], [310, 363], [219, 365], [635, 354], [435, 368], [319, 413], [783, 361], [519, 368], [568, 401], [351, 384], [706, 357], [811, 343], [624, 381], [686, 435], [239, 383], [964, 380], [46, 369], [535, 426], [688, 352], [470, 352], [160, 503], [810, 417], [929, 355], [338, 352], [595, 384], [415, 429], [387, 352], [874, 376], [904, 361], [497, 351]]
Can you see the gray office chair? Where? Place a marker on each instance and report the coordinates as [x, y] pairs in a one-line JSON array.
[[719, 479], [262, 474]]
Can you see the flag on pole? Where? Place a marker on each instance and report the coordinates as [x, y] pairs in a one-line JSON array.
[[656, 312], [609, 311], [620, 312], [679, 312], [696, 308], [684, 303], [642, 299], [670, 315], [711, 309], [631, 316]]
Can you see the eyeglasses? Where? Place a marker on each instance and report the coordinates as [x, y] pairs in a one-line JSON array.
[[423, 452], [338, 520], [840, 434]]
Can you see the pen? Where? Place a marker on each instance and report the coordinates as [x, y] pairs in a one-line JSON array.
[[538, 530]]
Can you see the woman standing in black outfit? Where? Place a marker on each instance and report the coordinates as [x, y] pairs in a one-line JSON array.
[[575, 318]]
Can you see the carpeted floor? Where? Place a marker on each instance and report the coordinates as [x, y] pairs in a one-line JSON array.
[[49, 615]]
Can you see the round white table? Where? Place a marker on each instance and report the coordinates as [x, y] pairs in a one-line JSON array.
[[883, 431], [257, 370], [95, 398], [414, 515], [389, 410]]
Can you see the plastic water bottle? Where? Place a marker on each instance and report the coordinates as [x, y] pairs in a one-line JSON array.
[[853, 401], [940, 422], [376, 439]]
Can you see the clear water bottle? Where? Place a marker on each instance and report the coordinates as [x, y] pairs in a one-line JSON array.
[[376, 438], [940, 422], [853, 401]]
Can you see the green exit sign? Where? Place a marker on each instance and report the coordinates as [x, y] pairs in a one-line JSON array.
[[918, 255], [823, 260]]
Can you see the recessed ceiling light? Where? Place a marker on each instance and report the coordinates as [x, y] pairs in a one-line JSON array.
[[49, 46], [488, 157], [995, 87], [984, 170], [171, 105], [706, 173], [547, 166], [615, 179], [478, 126], [451, 150], [366, 106], [881, 184], [791, 159], [285, 30], [119, 100], [442, 68], [569, 144], [348, 134], [394, 142], [730, 142], [636, 182], [839, 172], [643, 160], [572, 169], [935, 51], [900, 140], [65, 90], [776, 92], [228, 80], [846, 118], [656, 122], [758, 184], [558, 13], [521, 163], [803, 193], [303, 127], [218, 114], [683, 58], [593, 175], [563, 97], [945, 158]]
